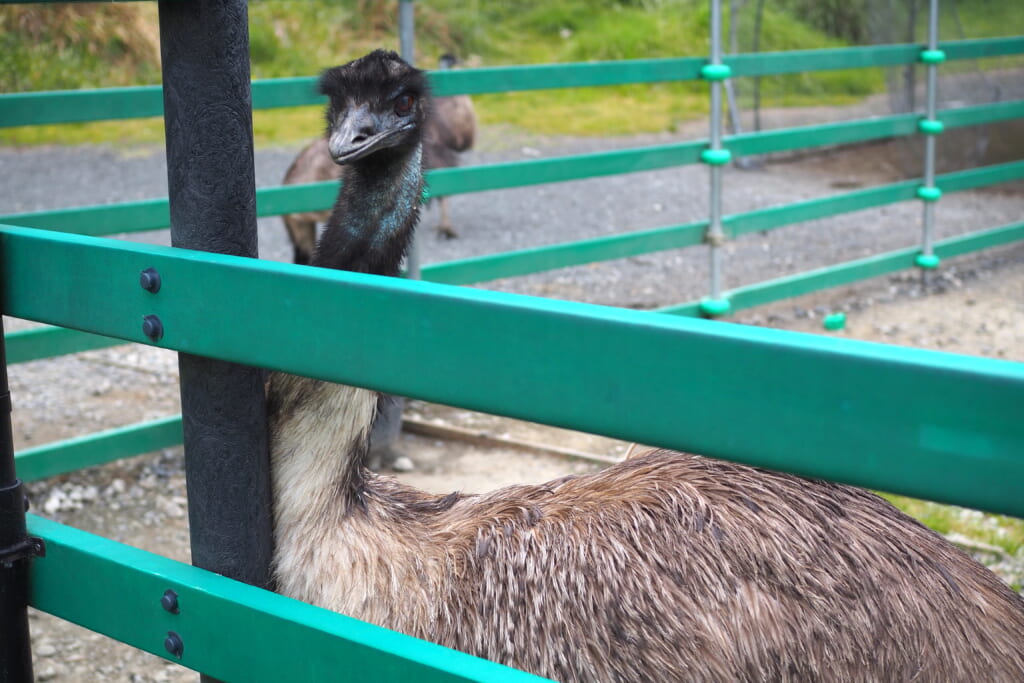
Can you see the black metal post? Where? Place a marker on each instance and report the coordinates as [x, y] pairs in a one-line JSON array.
[[208, 116], [16, 550]]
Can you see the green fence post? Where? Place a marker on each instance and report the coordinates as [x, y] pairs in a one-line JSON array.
[[407, 46]]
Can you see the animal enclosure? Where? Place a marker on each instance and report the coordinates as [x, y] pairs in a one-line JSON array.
[[960, 442]]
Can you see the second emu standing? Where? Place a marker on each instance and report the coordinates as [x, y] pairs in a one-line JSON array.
[[665, 567]]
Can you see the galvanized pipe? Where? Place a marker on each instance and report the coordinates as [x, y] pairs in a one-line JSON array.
[[715, 232], [931, 96], [407, 47]]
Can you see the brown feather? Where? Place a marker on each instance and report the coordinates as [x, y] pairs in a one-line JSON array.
[[665, 567]]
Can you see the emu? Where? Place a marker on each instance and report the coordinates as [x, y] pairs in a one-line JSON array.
[[664, 567], [449, 131]]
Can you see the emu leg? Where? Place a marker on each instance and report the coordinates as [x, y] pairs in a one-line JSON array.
[[303, 236], [444, 228]]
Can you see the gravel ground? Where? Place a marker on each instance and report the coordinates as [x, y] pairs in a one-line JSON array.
[[976, 306]]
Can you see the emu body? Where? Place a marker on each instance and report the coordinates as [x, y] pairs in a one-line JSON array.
[[664, 567]]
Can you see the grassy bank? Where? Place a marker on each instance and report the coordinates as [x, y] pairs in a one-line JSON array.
[[60, 47], [49, 47]]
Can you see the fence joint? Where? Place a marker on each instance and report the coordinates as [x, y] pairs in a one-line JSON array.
[[716, 157], [713, 308], [715, 72]]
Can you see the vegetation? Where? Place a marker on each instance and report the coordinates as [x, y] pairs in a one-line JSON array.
[[50, 47], [983, 531]]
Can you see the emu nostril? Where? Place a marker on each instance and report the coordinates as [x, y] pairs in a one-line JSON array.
[[365, 131]]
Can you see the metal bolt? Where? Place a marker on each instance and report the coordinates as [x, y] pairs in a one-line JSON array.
[[150, 280], [174, 644], [169, 600], [152, 327]]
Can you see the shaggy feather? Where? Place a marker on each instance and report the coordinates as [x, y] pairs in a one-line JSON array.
[[664, 567]]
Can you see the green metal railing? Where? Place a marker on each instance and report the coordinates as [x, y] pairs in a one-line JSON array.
[[697, 385], [680, 383], [44, 342], [153, 214], [257, 635], [61, 106]]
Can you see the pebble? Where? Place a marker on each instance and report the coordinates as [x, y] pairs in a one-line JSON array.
[[45, 649], [402, 464], [49, 673], [173, 509]]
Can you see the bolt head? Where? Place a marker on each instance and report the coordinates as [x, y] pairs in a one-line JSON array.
[[174, 644], [149, 279], [152, 327], [169, 601]]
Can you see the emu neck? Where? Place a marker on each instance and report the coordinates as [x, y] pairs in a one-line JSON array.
[[319, 431], [373, 219], [319, 434]]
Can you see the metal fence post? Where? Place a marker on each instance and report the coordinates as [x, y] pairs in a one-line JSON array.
[[16, 550], [407, 47], [930, 127], [204, 45], [715, 156]]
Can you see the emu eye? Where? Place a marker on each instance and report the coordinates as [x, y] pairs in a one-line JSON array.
[[403, 105]]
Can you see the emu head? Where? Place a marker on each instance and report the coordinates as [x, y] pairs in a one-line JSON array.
[[378, 104]]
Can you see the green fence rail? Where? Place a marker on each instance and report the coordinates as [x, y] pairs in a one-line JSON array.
[[45, 342], [36, 108], [95, 449], [153, 214], [229, 630], [687, 384], [73, 454], [854, 271]]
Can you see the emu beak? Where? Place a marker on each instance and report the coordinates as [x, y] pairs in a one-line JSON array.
[[357, 135]]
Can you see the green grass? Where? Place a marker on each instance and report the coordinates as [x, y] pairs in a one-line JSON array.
[[47, 47], [288, 38], [1002, 532]]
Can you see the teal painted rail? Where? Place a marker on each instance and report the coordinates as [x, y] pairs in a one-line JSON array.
[[153, 214], [44, 342], [95, 449], [687, 385], [35, 108], [230, 630], [853, 271]]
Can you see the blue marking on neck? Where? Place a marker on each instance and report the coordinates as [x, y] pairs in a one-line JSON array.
[[397, 206]]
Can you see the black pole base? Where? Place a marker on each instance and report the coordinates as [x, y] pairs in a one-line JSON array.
[[17, 549]]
